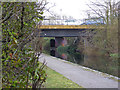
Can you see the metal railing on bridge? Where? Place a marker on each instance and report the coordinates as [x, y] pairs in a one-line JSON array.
[[61, 22]]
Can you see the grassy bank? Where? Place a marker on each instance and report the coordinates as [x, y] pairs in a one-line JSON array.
[[56, 80]]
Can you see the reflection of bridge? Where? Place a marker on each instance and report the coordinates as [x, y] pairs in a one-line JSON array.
[[61, 31]]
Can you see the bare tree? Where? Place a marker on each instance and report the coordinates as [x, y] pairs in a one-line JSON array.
[[106, 9], [103, 46]]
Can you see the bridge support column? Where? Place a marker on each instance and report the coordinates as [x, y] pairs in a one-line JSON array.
[[54, 44], [58, 42], [86, 45], [52, 47]]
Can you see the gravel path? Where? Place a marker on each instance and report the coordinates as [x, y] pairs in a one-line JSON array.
[[83, 76]]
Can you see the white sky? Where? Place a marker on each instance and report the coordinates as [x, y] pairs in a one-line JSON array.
[[74, 8]]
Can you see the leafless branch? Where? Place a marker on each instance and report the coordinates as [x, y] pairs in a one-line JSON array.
[[95, 11]]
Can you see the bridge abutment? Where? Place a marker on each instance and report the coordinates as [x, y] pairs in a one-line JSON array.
[[54, 44]]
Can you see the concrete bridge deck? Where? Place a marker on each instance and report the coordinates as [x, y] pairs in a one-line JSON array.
[[67, 30]]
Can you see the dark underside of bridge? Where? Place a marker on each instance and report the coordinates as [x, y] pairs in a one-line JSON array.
[[64, 32]]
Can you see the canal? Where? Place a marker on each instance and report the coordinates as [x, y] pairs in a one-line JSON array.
[[95, 59], [69, 54]]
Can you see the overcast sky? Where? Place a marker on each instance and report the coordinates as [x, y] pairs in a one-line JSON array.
[[74, 8]]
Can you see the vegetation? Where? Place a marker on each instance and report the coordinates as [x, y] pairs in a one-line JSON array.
[[46, 45], [102, 49], [19, 60]]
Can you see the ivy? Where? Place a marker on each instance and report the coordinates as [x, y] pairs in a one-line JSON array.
[[20, 65]]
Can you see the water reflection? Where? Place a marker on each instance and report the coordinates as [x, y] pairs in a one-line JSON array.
[[72, 56], [64, 56]]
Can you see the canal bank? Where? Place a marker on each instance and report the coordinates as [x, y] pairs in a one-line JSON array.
[[79, 74]]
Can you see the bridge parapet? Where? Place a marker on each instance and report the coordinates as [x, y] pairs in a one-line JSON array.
[[68, 27]]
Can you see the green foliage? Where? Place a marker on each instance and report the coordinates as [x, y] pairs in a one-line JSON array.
[[20, 65], [46, 45], [114, 55], [62, 49]]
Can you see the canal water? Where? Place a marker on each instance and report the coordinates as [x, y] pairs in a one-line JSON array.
[[94, 62], [70, 55]]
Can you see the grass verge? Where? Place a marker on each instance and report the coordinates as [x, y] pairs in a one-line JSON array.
[[56, 80]]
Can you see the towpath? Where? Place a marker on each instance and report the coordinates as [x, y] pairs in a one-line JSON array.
[[83, 76]]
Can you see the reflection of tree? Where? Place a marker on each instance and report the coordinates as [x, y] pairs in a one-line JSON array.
[[76, 56]]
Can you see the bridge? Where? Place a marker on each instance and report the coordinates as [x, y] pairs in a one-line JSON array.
[[66, 30], [61, 31]]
